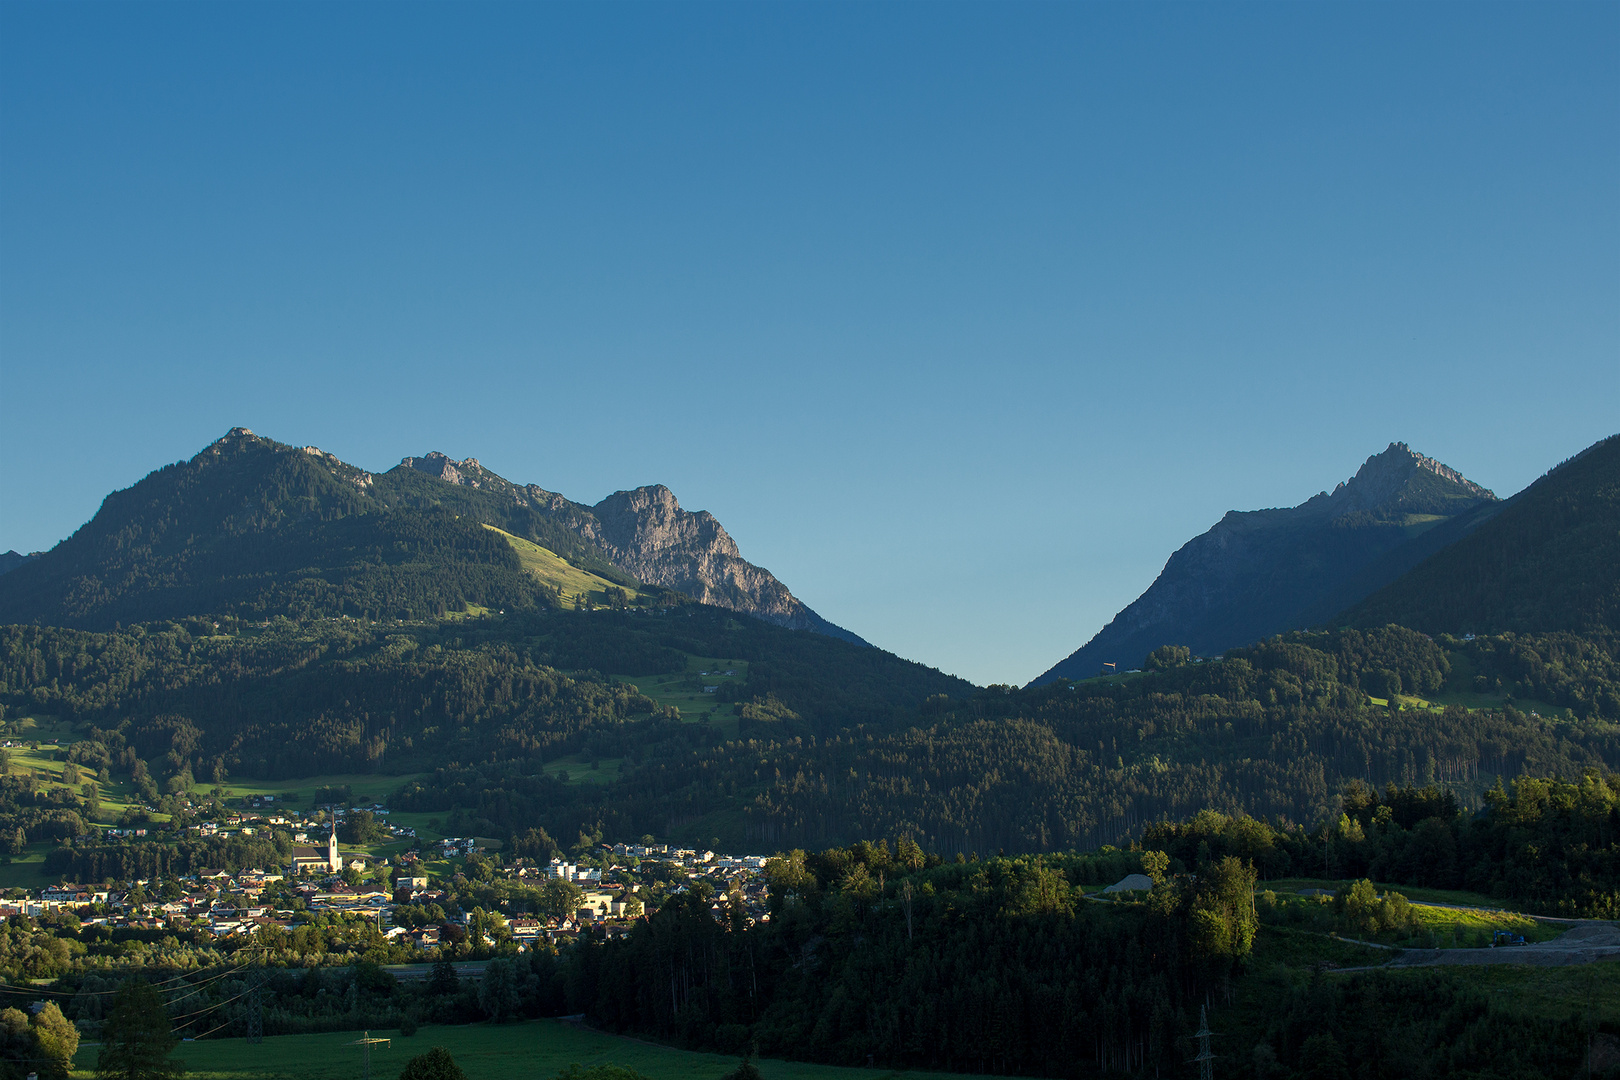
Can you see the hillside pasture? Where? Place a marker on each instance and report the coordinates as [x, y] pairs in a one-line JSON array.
[[572, 583], [581, 770], [1417, 894], [298, 793], [683, 690]]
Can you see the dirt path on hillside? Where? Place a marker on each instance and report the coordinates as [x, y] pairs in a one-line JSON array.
[[1587, 941]]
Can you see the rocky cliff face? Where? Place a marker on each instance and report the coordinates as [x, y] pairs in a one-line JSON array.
[[1261, 572], [647, 534]]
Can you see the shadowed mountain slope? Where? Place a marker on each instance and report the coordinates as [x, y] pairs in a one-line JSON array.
[[1548, 561], [1261, 572], [255, 528], [10, 560]]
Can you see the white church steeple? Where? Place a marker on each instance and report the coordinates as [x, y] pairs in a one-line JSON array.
[[333, 859]]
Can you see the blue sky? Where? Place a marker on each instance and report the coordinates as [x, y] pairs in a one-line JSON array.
[[960, 318]]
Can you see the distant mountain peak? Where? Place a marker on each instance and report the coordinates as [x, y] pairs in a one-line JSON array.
[[444, 467], [1547, 560], [1259, 572], [1384, 478], [646, 525]]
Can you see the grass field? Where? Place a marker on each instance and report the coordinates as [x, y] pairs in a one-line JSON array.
[[569, 580], [1416, 894], [538, 1049], [1295, 948], [1472, 929], [1448, 928], [27, 870], [578, 768], [298, 793], [683, 690]]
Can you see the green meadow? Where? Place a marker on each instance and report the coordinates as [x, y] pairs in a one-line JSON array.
[[1444, 927], [1452, 928], [580, 769], [1415, 893], [538, 1048], [683, 690], [27, 870], [298, 793], [570, 581]]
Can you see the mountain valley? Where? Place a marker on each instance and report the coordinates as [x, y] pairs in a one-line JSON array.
[[1418, 684]]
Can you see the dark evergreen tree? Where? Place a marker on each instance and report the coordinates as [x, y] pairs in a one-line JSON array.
[[436, 1064], [137, 1038]]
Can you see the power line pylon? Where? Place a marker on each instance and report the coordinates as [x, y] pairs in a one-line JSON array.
[[1205, 1059], [255, 1017], [368, 1042]]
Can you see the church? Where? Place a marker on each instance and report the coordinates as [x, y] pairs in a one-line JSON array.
[[309, 860]]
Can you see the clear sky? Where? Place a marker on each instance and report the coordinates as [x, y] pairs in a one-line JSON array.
[[960, 318]]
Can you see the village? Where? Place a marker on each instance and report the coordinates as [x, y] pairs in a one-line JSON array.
[[609, 887]]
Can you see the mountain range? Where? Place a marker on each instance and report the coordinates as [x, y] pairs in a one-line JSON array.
[[1261, 572], [253, 527], [601, 702]]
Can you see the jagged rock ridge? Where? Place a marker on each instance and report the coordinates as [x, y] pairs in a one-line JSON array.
[[1258, 573], [646, 533]]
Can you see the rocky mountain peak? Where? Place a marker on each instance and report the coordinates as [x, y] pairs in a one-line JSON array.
[[641, 523], [444, 467], [645, 532], [234, 439], [654, 499], [1259, 572], [1386, 478]]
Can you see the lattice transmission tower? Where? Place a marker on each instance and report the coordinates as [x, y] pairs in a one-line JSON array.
[[1205, 1059], [255, 1016]]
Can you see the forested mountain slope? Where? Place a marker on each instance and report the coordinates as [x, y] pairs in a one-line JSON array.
[[1550, 560], [1274, 730], [255, 528], [1258, 573], [341, 695], [10, 560], [818, 740]]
